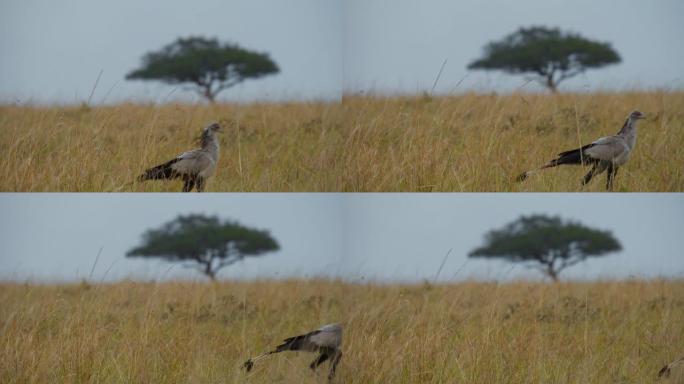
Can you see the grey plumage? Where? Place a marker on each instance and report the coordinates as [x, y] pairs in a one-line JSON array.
[[326, 341], [193, 167], [604, 154]]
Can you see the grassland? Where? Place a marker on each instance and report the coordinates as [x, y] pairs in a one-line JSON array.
[[461, 143], [521, 332], [265, 147]]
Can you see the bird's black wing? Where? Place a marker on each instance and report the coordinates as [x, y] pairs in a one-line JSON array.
[[573, 155], [296, 343], [162, 171]]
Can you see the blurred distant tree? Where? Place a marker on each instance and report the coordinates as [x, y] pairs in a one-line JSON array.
[[546, 243], [208, 65], [205, 243], [550, 55]]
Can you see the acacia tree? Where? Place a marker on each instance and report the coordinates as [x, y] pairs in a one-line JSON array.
[[204, 243], [208, 65], [546, 243], [549, 55]]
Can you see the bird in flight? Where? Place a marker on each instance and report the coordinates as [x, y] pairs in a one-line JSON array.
[[326, 341], [605, 154], [193, 167]]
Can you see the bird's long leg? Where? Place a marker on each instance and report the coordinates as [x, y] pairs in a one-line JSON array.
[[333, 364], [589, 175], [319, 360], [189, 183], [612, 173], [200, 184]]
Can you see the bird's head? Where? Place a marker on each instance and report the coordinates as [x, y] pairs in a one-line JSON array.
[[209, 134], [213, 128], [636, 115]]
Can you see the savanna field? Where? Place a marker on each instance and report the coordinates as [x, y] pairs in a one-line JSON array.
[[471, 142], [182, 332]]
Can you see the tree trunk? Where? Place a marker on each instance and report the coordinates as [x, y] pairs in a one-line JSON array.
[[209, 95], [552, 273], [550, 84], [209, 271]]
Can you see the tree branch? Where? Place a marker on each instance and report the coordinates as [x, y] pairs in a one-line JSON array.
[[539, 267], [196, 267], [227, 84], [568, 74], [227, 262], [570, 262]]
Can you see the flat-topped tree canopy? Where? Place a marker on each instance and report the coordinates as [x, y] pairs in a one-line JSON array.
[[549, 244], [209, 65], [548, 54], [206, 242]]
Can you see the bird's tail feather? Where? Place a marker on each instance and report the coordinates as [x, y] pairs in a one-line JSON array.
[[665, 371], [523, 176], [119, 188], [291, 343], [162, 171], [575, 156], [249, 364]]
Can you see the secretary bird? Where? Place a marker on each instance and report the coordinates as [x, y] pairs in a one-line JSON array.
[[194, 167], [326, 340], [607, 153]]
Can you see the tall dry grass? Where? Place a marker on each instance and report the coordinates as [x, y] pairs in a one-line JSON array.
[[481, 142], [266, 147], [461, 143], [604, 332]]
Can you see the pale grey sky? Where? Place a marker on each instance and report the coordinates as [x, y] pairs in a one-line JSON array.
[[396, 237], [52, 51], [399, 45]]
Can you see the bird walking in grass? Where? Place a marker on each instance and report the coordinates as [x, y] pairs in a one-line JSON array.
[[604, 154], [193, 167], [326, 341]]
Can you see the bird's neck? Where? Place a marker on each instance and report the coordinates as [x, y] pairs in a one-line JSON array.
[[629, 129], [209, 143]]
